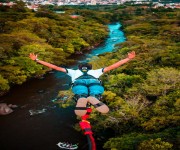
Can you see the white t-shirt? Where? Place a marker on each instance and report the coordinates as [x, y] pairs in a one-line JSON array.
[[74, 74]]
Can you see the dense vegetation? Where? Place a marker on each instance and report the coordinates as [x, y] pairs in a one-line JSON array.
[[143, 95], [54, 37]]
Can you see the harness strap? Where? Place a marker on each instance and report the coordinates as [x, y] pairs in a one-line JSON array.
[[92, 84], [80, 108], [83, 84], [87, 129], [88, 113], [98, 104], [86, 76]]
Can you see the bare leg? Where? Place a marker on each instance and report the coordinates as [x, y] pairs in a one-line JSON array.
[[101, 107], [81, 109]]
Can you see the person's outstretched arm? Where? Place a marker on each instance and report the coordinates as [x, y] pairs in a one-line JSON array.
[[131, 55], [35, 58]]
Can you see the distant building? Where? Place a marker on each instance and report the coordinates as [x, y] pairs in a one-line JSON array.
[[36, 3], [74, 16], [93, 2]]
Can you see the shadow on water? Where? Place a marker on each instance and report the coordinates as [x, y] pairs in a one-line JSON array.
[[21, 131]]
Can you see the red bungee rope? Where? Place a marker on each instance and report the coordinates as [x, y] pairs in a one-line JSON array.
[[86, 127]]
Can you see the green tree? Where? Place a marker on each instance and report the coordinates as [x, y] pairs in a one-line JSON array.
[[155, 144], [4, 86], [161, 81]]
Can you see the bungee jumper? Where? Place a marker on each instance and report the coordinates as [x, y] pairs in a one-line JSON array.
[[87, 89], [86, 85]]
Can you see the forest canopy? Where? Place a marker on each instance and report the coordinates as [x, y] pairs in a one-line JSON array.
[[143, 95], [54, 37]]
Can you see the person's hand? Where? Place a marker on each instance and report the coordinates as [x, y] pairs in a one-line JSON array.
[[131, 55], [32, 56]]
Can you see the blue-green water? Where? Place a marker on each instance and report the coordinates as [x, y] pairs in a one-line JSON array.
[[115, 36], [21, 131]]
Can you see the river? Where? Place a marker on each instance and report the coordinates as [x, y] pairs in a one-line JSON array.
[[21, 131]]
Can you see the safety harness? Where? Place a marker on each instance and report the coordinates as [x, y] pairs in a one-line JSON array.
[[85, 75]]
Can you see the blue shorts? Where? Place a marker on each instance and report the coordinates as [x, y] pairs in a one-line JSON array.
[[87, 87]]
